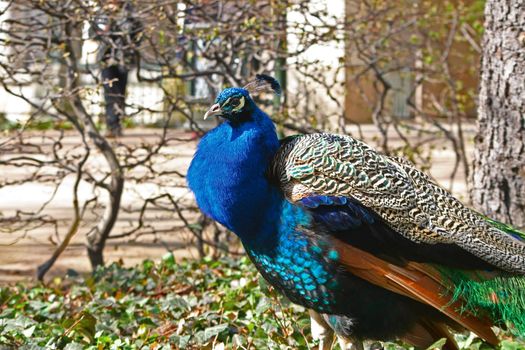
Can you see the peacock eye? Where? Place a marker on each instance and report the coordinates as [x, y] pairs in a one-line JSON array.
[[234, 102]]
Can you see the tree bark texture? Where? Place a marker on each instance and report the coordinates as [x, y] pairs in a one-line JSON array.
[[97, 237], [498, 182]]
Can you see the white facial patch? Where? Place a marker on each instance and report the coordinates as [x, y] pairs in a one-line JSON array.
[[240, 105]]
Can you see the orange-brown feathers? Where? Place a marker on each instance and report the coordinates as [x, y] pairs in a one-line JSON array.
[[417, 281]]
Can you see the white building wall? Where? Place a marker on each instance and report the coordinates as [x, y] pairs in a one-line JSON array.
[[322, 60]]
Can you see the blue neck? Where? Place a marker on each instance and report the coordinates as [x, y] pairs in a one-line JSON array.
[[227, 176]]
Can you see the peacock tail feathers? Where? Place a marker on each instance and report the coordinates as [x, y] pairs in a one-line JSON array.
[[502, 298], [408, 201]]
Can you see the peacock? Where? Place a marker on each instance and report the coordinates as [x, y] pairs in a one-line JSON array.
[[373, 247]]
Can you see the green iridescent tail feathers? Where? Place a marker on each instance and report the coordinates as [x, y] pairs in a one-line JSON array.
[[500, 297]]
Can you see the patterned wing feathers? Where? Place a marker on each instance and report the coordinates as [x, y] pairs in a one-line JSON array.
[[407, 199], [339, 164]]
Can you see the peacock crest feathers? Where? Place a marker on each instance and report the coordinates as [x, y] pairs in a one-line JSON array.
[[407, 199], [263, 83]]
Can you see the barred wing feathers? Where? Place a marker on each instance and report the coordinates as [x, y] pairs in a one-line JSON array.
[[406, 199]]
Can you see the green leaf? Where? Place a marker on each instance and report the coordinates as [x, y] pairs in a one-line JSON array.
[[74, 346], [213, 331], [195, 227], [263, 305], [168, 259], [86, 325], [438, 345], [510, 345], [28, 332]]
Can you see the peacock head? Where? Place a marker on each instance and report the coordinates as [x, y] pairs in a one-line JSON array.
[[236, 104]]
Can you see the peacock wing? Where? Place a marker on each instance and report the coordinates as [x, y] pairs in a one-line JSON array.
[[404, 197]]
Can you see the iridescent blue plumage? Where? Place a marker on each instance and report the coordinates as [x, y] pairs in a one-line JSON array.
[[289, 243], [293, 263], [301, 244], [270, 227]]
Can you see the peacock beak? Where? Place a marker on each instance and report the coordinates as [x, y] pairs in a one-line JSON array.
[[215, 109]]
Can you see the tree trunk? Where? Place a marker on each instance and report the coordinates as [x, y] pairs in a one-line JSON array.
[[498, 182], [96, 237]]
